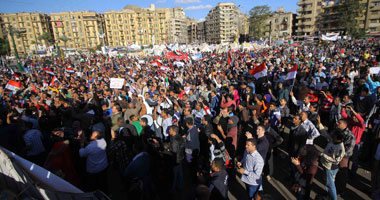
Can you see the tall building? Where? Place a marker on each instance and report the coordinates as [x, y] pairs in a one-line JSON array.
[[280, 25], [201, 31], [177, 26], [317, 16], [81, 28], [30, 26], [372, 18], [224, 23], [192, 30], [306, 20], [145, 26]]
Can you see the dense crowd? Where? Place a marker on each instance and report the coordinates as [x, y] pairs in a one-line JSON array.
[[198, 122]]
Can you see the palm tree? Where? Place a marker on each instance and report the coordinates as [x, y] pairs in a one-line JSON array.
[[47, 38], [36, 43], [64, 39], [20, 35]]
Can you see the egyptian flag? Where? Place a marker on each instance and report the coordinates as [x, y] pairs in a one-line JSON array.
[[229, 57], [53, 80], [17, 77], [259, 71], [155, 63], [204, 59], [69, 70], [13, 85], [165, 68], [108, 59], [213, 55], [48, 71], [178, 53], [44, 84], [292, 73]]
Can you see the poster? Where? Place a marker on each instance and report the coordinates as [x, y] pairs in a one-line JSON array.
[[116, 83]]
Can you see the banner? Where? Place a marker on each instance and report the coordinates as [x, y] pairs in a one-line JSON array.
[[173, 56], [116, 83], [374, 70], [329, 37]]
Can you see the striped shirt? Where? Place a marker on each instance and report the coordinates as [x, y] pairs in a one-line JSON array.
[[327, 104], [253, 167]]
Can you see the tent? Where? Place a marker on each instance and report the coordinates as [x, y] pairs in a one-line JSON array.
[[26, 180]]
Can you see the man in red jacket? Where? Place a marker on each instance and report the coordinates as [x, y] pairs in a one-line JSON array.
[[357, 127]]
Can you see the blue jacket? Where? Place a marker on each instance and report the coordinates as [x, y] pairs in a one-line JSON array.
[[372, 86]]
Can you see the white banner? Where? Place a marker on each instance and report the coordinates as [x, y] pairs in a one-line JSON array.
[[374, 70], [116, 83], [329, 38]]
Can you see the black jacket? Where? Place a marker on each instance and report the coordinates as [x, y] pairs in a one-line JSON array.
[[297, 140], [177, 148], [219, 185]]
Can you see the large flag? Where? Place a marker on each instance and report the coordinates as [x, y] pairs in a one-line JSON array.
[[69, 70], [48, 71], [259, 71], [13, 85], [229, 57], [292, 73], [53, 80], [156, 63]]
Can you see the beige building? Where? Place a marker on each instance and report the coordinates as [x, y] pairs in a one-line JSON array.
[[224, 23], [201, 31], [372, 19], [317, 16], [80, 27], [280, 25], [307, 18], [192, 30], [30, 27], [145, 26]]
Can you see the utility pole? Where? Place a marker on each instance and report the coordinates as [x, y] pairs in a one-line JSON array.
[[11, 33]]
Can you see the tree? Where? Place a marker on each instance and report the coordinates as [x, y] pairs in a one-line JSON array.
[[36, 43], [257, 17], [20, 35], [4, 47], [64, 39], [47, 38], [350, 11]]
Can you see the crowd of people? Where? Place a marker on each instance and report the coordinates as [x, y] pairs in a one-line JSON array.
[[198, 122]]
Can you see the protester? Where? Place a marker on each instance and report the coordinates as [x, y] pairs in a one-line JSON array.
[[213, 102]]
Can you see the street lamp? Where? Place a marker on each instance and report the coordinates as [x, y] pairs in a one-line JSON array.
[[11, 32]]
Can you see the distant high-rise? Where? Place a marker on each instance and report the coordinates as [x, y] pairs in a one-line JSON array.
[[81, 28], [225, 23], [280, 25], [30, 27]]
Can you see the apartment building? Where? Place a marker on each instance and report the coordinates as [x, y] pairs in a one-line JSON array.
[[192, 30], [201, 31], [29, 28], [81, 28], [322, 16], [145, 26], [280, 25], [372, 19], [224, 23], [307, 18]]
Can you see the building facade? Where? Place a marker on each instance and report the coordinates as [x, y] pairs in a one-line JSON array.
[[80, 28], [201, 31], [280, 25], [29, 27], [322, 16], [307, 17], [372, 18], [224, 23]]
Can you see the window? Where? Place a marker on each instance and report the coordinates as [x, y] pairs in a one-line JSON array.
[[31, 35]]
